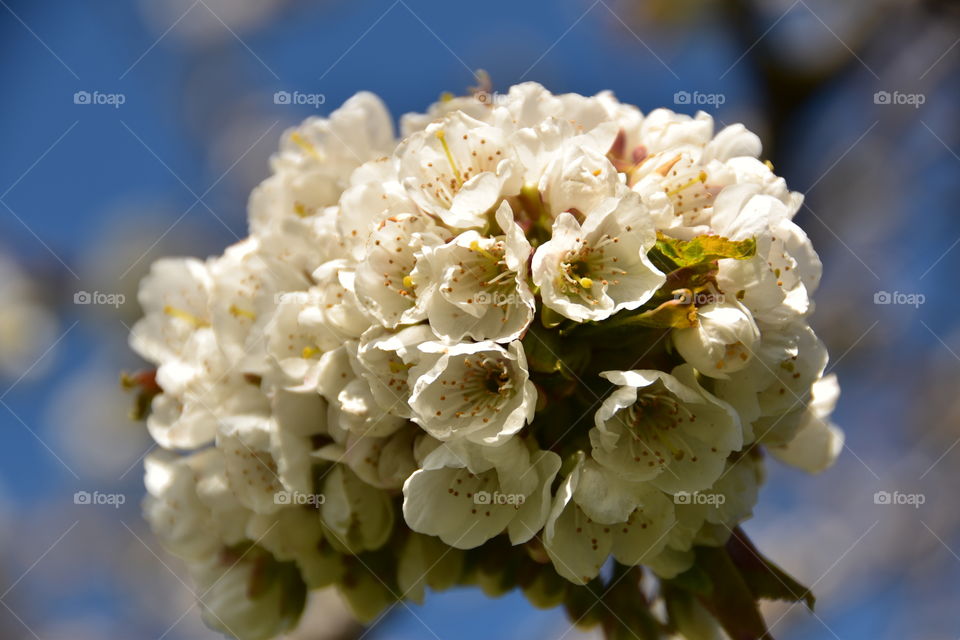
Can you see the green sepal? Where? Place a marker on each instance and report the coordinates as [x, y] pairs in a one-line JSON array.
[[547, 352]]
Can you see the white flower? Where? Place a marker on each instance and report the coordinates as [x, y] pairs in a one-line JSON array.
[[541, 150], [295, 534], [663, 129], [665, 429], [28, 330], [708, 517], [777, 283], [578, 179], [680, 190], [592, 270], [248, 594], [530, 104], [186, 512], [357, 411], [200, 391], [334, 307], [383, 462], [175, 298], [723, 340], [375, 195], [458, 169], [818, 441], [597, 513], [476, 105], [771, 393], [359, 517], [385, 359], [426, 562], [316, 159], [262, 462], [733, 141], [478, 284], [368, 343], [382, 282], [307, 324], [246, 283], [466, 493], [479, 391]]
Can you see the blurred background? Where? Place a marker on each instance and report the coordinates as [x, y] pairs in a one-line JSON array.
[[136, 129]]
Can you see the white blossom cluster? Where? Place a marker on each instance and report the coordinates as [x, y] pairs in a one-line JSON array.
[[545, 321]]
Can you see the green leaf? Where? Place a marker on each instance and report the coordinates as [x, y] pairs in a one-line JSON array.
[[686, 616], [731, 601], [627, 613], [582, 604], [694, 580], [765, 579], [685, 253]]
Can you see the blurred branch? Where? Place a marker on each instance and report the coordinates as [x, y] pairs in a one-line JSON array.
[[788, 89]]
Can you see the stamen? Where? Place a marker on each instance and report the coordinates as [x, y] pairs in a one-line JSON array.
[[701, 178], [441, 136], [664, 169], [237, 312], [185, 315], [399, 367], [475, 246], [306, 145]]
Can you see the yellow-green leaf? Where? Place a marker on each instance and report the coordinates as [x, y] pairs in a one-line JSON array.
[[685, 253]]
